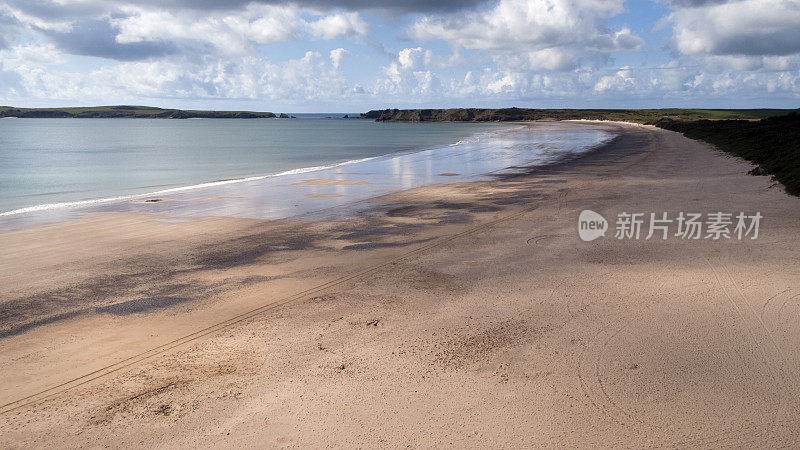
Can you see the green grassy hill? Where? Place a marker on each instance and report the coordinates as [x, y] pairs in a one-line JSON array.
[[129, 112], [646, 116]]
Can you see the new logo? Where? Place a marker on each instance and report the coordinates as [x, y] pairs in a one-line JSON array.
[[591, 225]]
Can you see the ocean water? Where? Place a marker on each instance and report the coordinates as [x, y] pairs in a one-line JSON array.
[[45, 161], [52, 169]]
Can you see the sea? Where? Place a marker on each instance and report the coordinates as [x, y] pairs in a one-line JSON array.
[[55, 169]]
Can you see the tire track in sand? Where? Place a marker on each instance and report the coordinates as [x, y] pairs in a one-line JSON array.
[[770, 352], [591, 379], [210, 330], [772, 311]]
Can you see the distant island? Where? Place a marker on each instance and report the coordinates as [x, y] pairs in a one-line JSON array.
[[644, 116], [132, 112]]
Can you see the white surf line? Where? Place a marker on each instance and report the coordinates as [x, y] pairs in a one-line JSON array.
[[80, 203], [77, 203]]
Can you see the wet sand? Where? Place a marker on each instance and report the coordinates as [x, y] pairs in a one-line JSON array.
[[465, 314]]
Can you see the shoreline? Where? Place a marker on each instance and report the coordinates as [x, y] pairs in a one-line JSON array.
[[480, 287], [379, 164], [356, 223], [92, 201]]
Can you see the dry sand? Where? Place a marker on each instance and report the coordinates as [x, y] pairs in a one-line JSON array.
[[453, 315]]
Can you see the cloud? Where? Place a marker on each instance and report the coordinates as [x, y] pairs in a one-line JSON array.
[[25, 15], [523, 52], [337, 55], [93, 37], [31, 55], [235, 32], [34, 72], [226, 33], [534, 34], [26, 71], [54, 8], [747, 30], [696, 3], [338, 25], [48, 14], [409, 75], [128, 31], [409, 58], [56, 11], [309, 78], [9, 28]]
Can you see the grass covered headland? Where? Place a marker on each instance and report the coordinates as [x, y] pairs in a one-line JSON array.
[[646, 116], [128, 112], [772, 143]]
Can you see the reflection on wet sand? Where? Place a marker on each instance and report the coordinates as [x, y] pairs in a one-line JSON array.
[[490, 154]]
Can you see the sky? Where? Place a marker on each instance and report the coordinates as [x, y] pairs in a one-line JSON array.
[[357, 55]]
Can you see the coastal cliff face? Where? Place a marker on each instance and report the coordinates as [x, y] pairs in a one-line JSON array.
[[646, 116], [457, 115]]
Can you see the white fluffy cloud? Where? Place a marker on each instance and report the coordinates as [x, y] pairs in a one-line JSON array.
[[743, 35], [33, 55], [533, 34], [337, 55], [311, 77], [520, 51], [338, 25], [233, 32], [229, 33], [409, 75], [130, 31]]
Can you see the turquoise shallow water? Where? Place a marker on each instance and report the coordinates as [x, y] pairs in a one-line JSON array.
[[47, 161], [58, 169]]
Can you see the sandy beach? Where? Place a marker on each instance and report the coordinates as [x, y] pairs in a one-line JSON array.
[[468, 314]]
